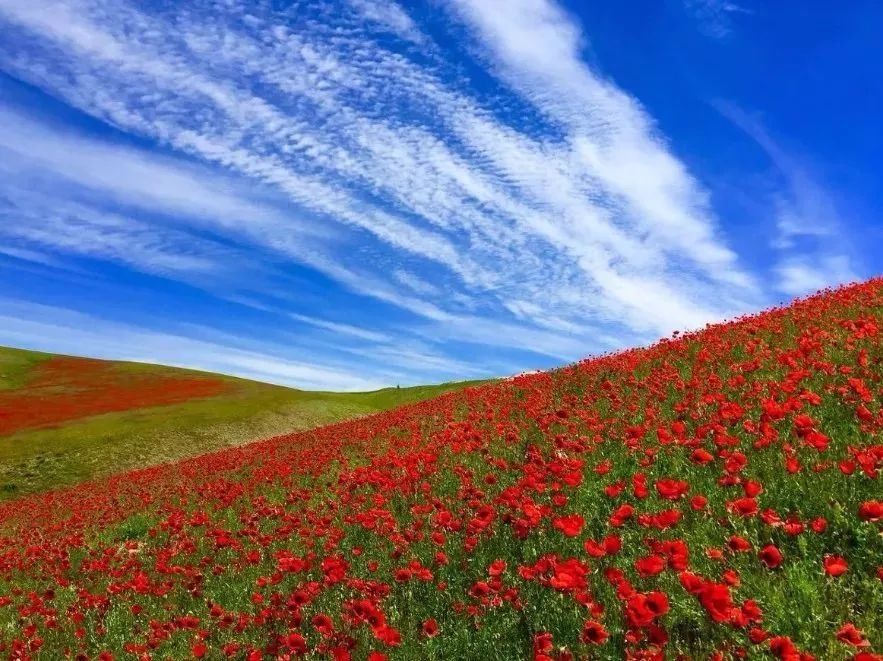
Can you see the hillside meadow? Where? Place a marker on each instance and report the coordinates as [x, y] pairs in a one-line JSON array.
[[716, 495]]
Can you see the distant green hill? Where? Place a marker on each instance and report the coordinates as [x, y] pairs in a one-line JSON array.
[[65, 419]]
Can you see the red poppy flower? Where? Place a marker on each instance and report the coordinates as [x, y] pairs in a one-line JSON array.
[[739, 544], [851, 635], [835, 565], [388, 635], [594, 549], [480, 589], [612, 544], [867, 656], [770, 556], [569, 525], [731, 577], [716, 600], [430, 628], [323, 624], [701, 456], [296, 643], [665, 519], [643, 609], [793, 527], [542, 643], [744, 506], [594, 633], [497, 568], [871, 510], [622, 514], [569, 575], [613, 490], [639, 485], [783, 647], [752, 488], [650, 565], [672, 489]]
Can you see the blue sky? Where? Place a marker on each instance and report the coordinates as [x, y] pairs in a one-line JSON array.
[[358, 194]]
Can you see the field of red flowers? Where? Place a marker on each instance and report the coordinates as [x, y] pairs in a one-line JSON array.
[[66, 388], [716, 495]]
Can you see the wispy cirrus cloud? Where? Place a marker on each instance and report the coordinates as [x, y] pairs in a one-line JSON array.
[[372, 161], [811, 236], [800, 275], [340, 328], [390, 16], [715, 17], [647, 200], [79, 230], [36, 154]]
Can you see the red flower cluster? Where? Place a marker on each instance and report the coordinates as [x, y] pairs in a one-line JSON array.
[[66, 388]]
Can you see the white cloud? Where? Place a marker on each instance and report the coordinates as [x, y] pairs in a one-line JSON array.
[[536, 47], [415, 283], [34, 256], [799, 276], [341, 329], [131, 175], [79, 230], [391, 16]]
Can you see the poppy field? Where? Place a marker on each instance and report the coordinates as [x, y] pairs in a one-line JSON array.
[[715, 495]]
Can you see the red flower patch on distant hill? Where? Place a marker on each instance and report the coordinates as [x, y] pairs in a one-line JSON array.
[[64, 388]]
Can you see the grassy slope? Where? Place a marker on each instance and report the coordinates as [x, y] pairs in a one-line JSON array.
[[15, 365], [39, 459]]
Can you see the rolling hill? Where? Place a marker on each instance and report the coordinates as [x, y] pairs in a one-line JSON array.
[[716, 495], [65, 419]]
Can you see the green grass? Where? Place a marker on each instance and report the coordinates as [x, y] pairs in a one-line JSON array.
[[15, 364], [40, 459]]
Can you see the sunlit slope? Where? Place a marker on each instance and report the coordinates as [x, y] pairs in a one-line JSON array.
[[65, 419]]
